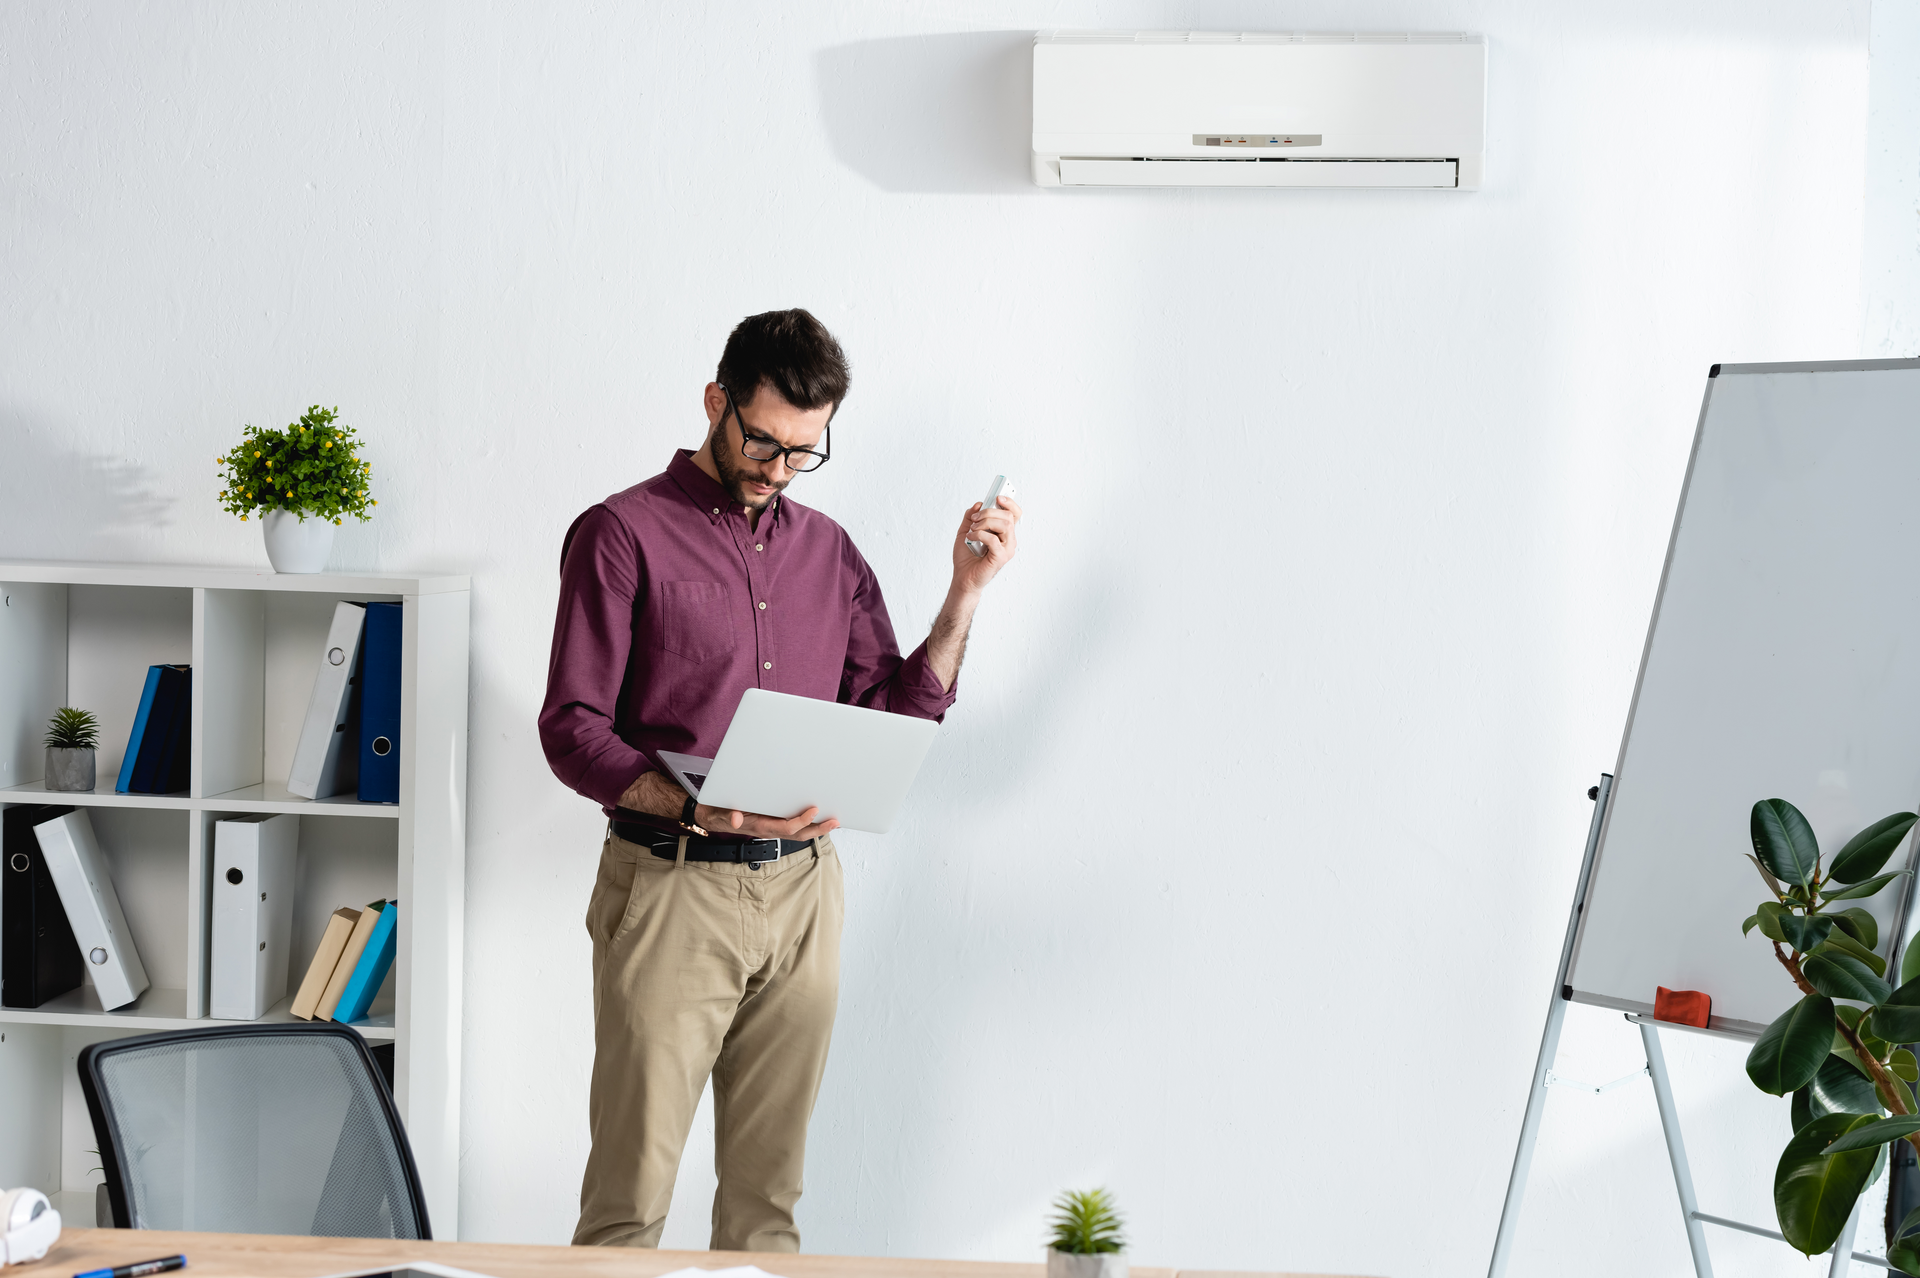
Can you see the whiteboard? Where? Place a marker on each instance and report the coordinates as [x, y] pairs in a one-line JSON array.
[[1783, 660]]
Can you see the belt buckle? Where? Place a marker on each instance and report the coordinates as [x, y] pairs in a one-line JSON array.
[[773, 844]]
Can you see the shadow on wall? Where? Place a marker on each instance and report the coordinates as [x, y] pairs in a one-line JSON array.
[[932, 113], [62, 504]]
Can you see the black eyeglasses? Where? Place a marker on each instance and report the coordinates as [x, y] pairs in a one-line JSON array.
[[761, 448]]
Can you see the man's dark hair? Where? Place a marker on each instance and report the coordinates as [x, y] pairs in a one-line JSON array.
[[791, 351]]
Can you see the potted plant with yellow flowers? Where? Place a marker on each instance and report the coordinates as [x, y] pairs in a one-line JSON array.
[[303, 480]]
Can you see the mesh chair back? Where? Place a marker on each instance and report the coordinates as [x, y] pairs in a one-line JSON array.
[[259, 1129]]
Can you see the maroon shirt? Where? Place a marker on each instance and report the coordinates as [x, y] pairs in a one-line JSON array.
[[671, 607]]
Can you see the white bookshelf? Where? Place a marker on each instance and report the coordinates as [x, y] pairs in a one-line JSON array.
[[83, 635]]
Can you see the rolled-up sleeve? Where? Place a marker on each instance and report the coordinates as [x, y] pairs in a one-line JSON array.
[[876, 675], [600, 577]]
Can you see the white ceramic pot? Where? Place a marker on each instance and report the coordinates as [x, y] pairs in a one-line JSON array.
[[1099, 1264], [297, 543], [69, 770]]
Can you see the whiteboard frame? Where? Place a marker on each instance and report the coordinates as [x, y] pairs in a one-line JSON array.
[[1725, 1026]]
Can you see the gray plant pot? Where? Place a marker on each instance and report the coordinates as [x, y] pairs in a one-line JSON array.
[[69, 770], [102, 1208], [1100, 1264]]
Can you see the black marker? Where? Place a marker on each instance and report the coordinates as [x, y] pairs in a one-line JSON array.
[[160, 1266]]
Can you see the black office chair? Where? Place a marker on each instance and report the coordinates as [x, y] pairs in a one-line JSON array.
[[258, 1129]]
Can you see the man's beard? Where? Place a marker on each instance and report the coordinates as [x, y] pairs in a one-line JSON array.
[[736, 481]]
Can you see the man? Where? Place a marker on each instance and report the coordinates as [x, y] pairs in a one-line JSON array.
[[716, 934]]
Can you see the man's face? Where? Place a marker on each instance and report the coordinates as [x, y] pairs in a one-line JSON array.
[[769, 416]]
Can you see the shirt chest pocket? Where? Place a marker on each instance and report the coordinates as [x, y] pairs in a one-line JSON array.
[[691, 619]]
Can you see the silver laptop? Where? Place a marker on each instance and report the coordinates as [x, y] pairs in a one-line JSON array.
[[784, 754]]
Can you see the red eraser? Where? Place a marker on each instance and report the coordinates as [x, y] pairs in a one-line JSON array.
[[1682, 1007]]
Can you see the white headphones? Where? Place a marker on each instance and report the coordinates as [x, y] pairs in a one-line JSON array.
[[28, 1225]]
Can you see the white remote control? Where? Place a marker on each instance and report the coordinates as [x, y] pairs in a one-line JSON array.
[[1000, 487]]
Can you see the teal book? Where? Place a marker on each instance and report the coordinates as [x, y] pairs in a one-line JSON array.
[[372, 968], [139, 730]]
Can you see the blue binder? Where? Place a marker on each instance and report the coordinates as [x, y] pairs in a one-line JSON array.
[[372, 968], [164, 753], [125, 783], [380, 705]]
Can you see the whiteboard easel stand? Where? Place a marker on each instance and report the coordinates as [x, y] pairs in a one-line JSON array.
[[1655, 1070]]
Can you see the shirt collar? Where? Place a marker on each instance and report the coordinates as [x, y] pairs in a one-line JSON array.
[[708, 496]]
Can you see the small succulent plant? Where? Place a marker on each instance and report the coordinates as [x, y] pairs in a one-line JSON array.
[[1086, 1223], [71, 729]]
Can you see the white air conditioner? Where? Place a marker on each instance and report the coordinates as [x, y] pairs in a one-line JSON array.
[[1193, 108]]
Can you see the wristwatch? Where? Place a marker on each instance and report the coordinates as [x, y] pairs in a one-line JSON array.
[[686, 816]]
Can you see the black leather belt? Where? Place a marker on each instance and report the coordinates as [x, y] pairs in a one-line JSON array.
[[748, 852]]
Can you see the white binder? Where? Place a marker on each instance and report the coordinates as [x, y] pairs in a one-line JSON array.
[[93, 908], [323, 746], [252, 914]]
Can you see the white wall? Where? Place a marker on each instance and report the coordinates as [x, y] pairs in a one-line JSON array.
[[1237, 879], [1890, 249]]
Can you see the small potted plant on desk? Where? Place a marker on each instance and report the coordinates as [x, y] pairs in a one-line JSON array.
[[72, 736], [1087, 1242]]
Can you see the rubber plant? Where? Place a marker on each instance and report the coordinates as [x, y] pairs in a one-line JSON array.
[[1838, 1051]]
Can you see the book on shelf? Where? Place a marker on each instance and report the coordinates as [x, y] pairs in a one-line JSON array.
[[93, 908], [349, 959], [326, 957], [253, 863], [380, 706], [326, 759], [38, 957], [140, 717], [357, 995], [158, 749]]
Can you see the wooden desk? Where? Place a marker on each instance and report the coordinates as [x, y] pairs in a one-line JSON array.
[[271, 1256]]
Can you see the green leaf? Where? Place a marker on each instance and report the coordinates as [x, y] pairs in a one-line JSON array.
[[1840, 1088], [1858, 924], [1910, 964], [1904, 1257], [1861, 891], [1813, 1191], [1773, 885], [1801, 1111], [1843, 976], [1897, 1019], [1767, 919], [1896, 1024], [1876, 1132], [1748, 925], [1790, 1051], [1805, 932], [1903, 1094], [1839, 942], [1902, 1065], [1784, 841], [1868, 850]]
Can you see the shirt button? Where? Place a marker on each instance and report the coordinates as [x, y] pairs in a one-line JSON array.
[[766, 665], [716, 510], [763, 605], [759, 547]]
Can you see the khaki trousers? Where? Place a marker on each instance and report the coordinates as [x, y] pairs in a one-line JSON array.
[[705, 968]]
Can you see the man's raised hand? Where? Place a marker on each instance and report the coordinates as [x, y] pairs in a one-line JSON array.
[[997, 531]]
